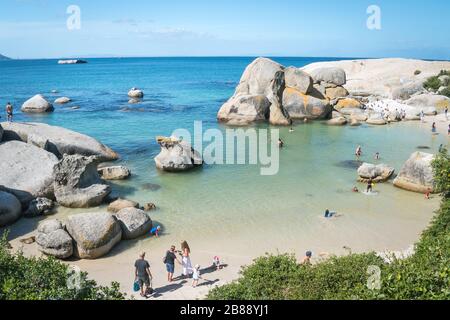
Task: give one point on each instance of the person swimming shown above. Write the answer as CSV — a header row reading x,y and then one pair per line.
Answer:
x,y
280,143
355,189
291,130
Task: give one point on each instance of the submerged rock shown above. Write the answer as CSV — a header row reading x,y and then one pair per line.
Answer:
x,y
37,104
10,208
53,240
26,171
134,222
135,93
114,173
63,100
77,183
60,140
176,155
120,204
378,173
417,173
94,233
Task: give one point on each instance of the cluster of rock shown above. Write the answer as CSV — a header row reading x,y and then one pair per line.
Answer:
x,y
91,235
176,155
415,175
340,91
42,165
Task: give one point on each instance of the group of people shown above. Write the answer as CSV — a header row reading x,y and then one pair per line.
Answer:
x,y
143,275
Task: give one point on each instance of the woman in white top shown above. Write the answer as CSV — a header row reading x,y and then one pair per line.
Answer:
x,y
186,260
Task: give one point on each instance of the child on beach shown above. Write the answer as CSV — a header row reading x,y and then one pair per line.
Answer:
x,y
196,275
427,194
216,262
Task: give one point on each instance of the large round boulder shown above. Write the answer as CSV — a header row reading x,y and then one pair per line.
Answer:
x,y
10,208
377,173
176,155
37,104
38,207
134,222
300,106
58,140
376,119
77,183
53,240
347,103
339,121
114,172
26,171
135,93
429,101
335,92
417,173
298,80
94,233
332,75
244,109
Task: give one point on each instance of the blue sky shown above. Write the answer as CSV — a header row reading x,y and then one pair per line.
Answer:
x,y
332,28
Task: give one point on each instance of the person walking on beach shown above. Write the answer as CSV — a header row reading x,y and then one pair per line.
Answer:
x,y
307,258
433,127
186,259
142,274
169,261
422,116
446,113
196,275
9,112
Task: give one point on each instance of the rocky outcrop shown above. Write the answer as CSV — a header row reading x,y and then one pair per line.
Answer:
x,y
37,104
378,173
347,103
134,222
120,204
26,171
53,240
417,173
94,233
298,80
62,100
59,140
176,155
429,101
114,173
384,77
376,119
10,208
77,182
335,92
39,207
245,109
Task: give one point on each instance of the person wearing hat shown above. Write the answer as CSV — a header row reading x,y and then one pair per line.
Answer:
x,y
196,275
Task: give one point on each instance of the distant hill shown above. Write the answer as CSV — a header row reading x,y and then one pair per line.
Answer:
x,y
2,57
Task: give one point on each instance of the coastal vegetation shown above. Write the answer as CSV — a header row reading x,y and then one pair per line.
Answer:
x,y
423,275
46,278
439,83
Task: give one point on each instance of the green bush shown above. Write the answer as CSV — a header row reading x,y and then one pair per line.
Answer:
x,y
432,83
23,278
446,92
424,275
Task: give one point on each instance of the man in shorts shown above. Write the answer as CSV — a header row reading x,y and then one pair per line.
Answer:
x,y
142,273
169,261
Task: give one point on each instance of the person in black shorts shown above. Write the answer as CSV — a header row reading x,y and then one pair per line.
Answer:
x,y
169,261
9,112
142,273
369,186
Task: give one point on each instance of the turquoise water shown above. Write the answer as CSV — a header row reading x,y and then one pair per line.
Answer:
x,y
253,212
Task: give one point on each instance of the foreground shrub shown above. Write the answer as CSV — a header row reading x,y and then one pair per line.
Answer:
x,y
23,278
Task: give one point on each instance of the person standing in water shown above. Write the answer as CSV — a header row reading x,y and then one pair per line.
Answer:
x,y
280,143
9,112
433,127
358,152
369,186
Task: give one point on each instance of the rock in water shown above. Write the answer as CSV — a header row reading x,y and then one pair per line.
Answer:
x,y
53,240
10,208
378,173
134,222
417,173
149,206
120,204
376,119
77,183
26,171
37,104
60,140
38,207
114,173
332,75
278,115
63,100
94,233
135,93
339,121
176,155
245,109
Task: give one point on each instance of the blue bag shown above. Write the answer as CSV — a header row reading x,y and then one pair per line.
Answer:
x,y
136,286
